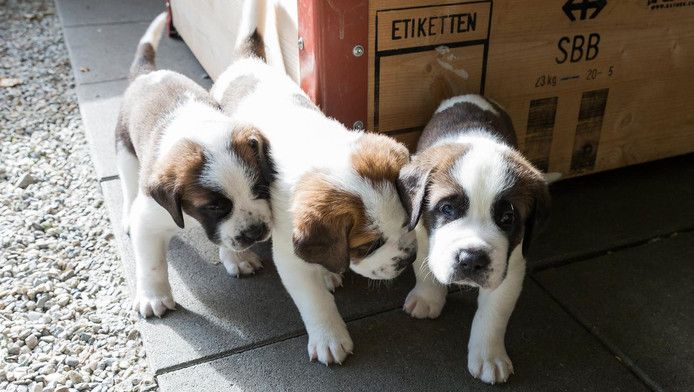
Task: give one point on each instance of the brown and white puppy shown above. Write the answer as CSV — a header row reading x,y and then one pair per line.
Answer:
x,y
179,157
335,200
478,200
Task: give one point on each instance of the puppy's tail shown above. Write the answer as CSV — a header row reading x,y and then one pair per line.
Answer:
x,y
249,41
147,48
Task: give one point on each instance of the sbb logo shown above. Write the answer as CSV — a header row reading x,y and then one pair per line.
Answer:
x,y
572,8
578,48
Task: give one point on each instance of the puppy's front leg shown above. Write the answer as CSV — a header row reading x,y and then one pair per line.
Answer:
x,y
152,228
487,358
328,339
428,296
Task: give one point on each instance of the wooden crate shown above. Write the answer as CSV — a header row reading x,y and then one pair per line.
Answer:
x,y
589,88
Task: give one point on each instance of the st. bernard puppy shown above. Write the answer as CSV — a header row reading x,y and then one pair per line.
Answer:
x,y
478,200
335,201
179,157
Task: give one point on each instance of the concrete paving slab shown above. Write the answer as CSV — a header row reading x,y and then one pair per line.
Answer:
x,y
85,12
102,53
608,210
99,106
640,301
218,313
394,352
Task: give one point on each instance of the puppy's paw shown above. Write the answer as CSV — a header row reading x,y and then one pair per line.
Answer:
x,y
239,263
332,280
329,345
490,364
155,301
425,302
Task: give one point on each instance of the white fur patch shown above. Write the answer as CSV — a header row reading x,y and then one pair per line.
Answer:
x,y
474,99
154,31
487,357
484,173
198,122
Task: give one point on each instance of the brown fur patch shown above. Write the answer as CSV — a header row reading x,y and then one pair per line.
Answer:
x,y
253,46
530,195
442,157
529,187
328,222
123,136
431,166
143,62
247,143
174,180
442,184
379,157
254,149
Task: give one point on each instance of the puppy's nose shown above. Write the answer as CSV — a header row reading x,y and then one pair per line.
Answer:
x,y
471,261
253,233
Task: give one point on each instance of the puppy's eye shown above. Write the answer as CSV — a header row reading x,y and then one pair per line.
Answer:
x,y
451,208
253,143
218,207
504,214
368,249
448,210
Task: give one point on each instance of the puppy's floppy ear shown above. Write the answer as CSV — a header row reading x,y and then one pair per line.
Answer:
x,y
168,197
327,245
254,148
412,188
539,212
324,216
173,174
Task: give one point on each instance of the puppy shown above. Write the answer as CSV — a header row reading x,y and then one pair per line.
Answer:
x,y
478,200
179,157
335,201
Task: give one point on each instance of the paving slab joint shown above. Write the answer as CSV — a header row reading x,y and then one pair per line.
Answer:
x,y
111,23
560,262
108,178
100,81
223,354
260,344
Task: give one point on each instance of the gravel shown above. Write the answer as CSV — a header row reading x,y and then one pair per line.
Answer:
x,y
65,319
